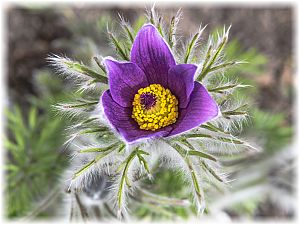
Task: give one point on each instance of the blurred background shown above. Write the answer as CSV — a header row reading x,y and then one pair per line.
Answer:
x,y
263,186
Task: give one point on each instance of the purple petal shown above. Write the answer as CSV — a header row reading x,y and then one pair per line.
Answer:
x,y
151,53
120,118
125,79
201,108
181,82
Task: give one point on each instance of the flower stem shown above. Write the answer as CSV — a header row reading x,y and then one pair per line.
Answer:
x,y
124,177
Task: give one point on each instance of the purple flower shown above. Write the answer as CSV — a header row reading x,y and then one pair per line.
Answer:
x,y
151,96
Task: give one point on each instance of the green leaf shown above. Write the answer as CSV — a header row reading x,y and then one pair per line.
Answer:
x,y
128,183
77,105
223,66
95,130
128,31
202,155
195,152
80,68
217,52
10,146
103,152
195,181
15,119
221,89
211,127
143,162
100,64
20,140
11,167
171,32
32,117
159,27
142,152
197,135
117,44
211,171
190,47
104,149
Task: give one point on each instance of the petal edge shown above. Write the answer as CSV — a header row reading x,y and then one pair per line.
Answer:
x,y
152,54
125,78
181,82
201,108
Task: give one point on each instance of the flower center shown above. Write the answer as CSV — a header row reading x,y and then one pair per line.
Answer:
x,y
148,100
154,107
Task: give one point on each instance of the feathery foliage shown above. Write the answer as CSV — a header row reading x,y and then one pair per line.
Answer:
x,y
31,163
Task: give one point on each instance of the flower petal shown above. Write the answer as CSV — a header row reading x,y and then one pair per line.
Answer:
x,y
151,53
125,79
181,82
201,108
120,118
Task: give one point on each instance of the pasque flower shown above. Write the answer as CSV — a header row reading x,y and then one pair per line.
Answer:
x,y
152,96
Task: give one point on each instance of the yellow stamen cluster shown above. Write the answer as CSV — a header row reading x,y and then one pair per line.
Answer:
x,y
162,112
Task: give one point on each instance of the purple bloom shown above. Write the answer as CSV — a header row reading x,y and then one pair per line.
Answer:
x,y
151,96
